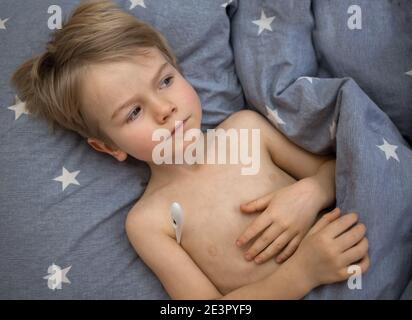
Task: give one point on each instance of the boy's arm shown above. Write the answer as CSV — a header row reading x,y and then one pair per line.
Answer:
x,y
286,213
314,171
325,255
178,273
288,282
183,279
326,252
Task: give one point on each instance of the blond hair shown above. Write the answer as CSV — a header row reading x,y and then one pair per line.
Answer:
x,y
96,32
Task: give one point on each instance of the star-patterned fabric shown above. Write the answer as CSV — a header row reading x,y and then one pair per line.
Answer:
x,y
317,94
62,202
325,86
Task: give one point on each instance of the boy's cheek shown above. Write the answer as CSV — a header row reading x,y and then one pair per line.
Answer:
x,y
140,148
144,151
189,96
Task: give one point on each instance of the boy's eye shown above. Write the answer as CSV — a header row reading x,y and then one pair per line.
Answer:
x,y
135,112
167,81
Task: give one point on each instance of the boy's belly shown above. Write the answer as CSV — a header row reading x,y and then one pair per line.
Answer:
x,y
213,222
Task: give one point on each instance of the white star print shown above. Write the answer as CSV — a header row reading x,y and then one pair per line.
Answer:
x,y
135,3
226,3
274,117
3,23
389,149
67,178
307,78
264,22
332,130
19,108
57,276
409,73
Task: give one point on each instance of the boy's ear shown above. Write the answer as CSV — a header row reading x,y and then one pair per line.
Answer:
x,y
105,148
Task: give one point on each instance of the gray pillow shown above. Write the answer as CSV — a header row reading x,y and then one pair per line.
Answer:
x,y
78,221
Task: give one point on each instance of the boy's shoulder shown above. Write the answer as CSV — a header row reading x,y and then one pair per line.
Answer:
x,y
247,119
148,215
250,119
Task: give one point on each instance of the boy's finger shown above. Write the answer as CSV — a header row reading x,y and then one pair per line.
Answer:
x,y
257,204
275,247
364,264
356,253
259,224
339,226
289,250
351,237
271,233
325,220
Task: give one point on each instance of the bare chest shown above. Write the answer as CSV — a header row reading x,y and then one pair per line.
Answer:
x,y
213,220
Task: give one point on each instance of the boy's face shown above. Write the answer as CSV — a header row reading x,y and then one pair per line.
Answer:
x,y
154,95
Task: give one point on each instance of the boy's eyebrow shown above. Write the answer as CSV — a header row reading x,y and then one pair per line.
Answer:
x,y
129,101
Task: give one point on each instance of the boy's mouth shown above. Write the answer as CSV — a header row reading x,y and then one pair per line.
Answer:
x,y
179,124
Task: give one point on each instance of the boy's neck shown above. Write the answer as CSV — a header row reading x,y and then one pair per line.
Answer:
x,y
166,173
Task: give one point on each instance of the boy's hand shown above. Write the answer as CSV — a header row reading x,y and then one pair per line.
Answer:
x,y
332,245
288,214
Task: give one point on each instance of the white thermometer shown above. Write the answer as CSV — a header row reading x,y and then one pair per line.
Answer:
x,y
177,220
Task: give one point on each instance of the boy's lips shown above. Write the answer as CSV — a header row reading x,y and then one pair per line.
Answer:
x,y
180,123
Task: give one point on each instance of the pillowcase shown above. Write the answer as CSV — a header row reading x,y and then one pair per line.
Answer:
x,y
63,204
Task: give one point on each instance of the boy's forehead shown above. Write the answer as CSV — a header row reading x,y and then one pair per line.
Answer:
x,y
150,58
103,81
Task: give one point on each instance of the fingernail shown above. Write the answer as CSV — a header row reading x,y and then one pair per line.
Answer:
x,y
247,256
238,243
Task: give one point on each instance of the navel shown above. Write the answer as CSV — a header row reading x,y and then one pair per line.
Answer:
x,y
212,250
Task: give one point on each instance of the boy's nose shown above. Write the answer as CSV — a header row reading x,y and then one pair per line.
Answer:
x,y
164,111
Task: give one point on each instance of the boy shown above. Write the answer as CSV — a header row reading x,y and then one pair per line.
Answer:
x,y
115,81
